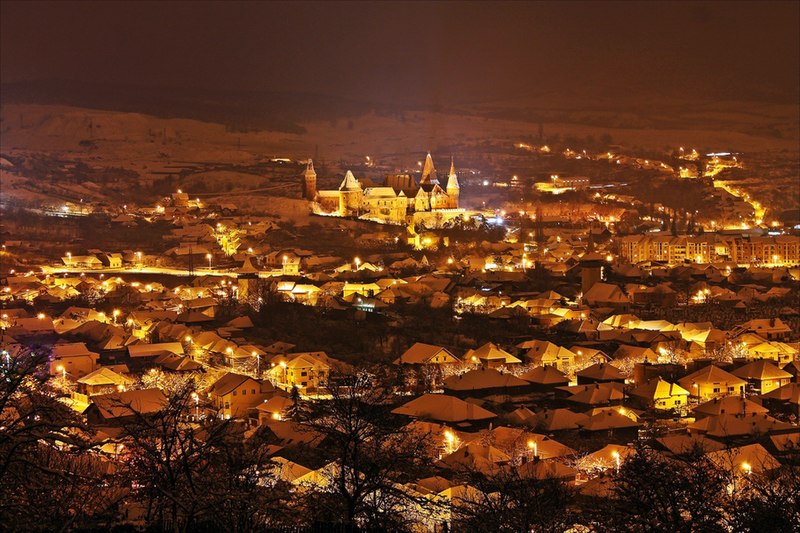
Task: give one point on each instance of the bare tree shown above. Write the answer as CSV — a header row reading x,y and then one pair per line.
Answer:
x,y
189,476
370,453
510,498
45,472
655,493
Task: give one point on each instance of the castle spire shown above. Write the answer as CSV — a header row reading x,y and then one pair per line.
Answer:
x,y
452,179
429,176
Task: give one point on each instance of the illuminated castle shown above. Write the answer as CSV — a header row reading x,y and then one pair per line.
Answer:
x,y
394,202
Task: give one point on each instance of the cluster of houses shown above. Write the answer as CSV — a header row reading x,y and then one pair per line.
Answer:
x,y
597,368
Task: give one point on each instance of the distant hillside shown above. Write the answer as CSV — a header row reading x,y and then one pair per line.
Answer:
x,y
239,111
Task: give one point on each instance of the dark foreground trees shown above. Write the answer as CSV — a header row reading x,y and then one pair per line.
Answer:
x,y
47,480
209,476
369,455
653,492
514,498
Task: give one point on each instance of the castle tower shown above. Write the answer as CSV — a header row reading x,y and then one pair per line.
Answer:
x,y
350,195
453,188
429,176
310,182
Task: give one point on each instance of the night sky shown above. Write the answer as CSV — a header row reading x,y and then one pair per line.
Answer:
x,y
412,52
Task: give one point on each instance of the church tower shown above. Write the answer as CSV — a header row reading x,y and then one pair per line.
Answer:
x,y
453,189
310,182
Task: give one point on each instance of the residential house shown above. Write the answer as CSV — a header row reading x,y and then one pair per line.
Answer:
x,y
661,395
763,376
234,394
73,360
103,381
426,354
119,407
712,382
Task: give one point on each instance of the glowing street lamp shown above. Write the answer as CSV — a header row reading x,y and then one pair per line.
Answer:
x,y
450,442
115,314
747,467
258,363
63,371
534,447
196,399
615,455
283,366
208,256
357,261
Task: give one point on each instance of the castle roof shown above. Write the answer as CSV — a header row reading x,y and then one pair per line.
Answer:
x,y
429,172
349,183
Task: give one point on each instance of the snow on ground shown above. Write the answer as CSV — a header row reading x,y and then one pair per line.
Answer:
x,y
139,141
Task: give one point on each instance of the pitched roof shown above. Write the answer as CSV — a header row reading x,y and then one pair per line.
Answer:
x,y
150,350
788,393
482,378
609,419
491,352
761,370
104,376
709,374
228,382
349,182
559,419
732,425
657,388
128,403
545,375
444,408
742,458
602,372
683,444
596,393
729,404
421,353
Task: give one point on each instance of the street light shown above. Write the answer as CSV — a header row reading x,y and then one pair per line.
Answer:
x,y
115,314
208,256
357,261
196,399
615,455
283,365
63,371
533,445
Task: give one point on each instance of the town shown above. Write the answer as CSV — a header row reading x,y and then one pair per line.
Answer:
x,y
461,317
487,348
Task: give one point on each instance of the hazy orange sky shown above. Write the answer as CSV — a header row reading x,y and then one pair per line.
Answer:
x,y
423,52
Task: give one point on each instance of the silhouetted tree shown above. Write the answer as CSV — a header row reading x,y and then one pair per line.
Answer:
x,y
370,455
